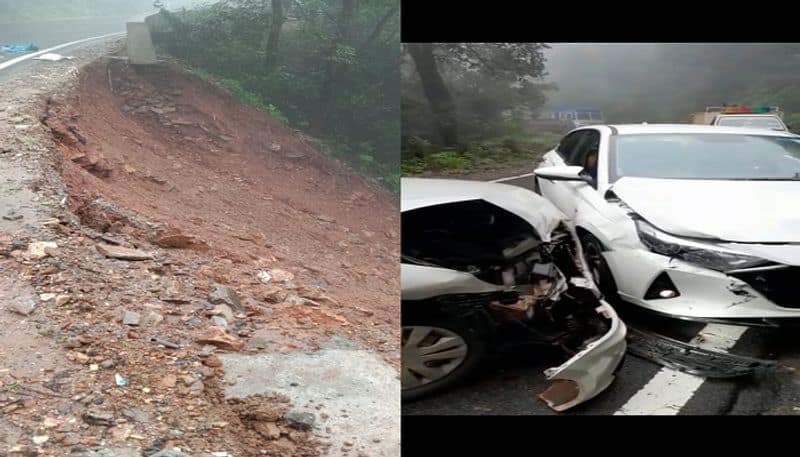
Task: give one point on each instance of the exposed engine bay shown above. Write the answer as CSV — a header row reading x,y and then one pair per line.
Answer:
x,y
543,292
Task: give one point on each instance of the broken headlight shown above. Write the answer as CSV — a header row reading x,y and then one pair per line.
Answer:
x,y
704,255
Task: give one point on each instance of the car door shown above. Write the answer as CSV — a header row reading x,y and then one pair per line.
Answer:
x,y
570,151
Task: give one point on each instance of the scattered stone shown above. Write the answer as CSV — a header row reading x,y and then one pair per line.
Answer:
x,y
131,318
12,215
224,295
188,380
113,452
78,357
40,439
282,275
122,253
299,420
100,417
22,305
151,319
217,336
225,311
106,364
212,361
136,415
264,276
50,422
38,249
268,430
62,299
197,388
325,218
169,381
219,321
170,453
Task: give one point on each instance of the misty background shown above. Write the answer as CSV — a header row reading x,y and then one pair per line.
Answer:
x,y
494,114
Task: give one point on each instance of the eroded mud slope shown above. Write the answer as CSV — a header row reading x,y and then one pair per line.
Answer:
x,y
157,156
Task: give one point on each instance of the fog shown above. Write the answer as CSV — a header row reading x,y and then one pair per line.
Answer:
x,y
664,82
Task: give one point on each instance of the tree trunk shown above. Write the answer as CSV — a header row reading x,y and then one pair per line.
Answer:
x,y
278,18
376,32
439,98
329,80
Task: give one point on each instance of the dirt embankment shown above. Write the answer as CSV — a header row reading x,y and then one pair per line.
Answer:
x,y
250,240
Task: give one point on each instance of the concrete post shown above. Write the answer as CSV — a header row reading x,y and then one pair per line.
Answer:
x,y
140,44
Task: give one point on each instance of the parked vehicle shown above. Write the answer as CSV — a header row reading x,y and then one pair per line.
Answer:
x,y
692,221
485,265
766,117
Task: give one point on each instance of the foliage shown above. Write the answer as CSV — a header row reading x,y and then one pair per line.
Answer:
x,y
362,122
507,150
495,87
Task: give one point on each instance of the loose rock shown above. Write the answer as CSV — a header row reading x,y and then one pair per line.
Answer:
x,y
22,305
217,336
299,420
98,417
131,318
119,252
224,295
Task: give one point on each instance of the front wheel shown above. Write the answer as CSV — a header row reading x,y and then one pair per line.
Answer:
x,y
437,353
601,273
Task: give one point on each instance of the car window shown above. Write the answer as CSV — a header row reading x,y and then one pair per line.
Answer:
x,y
706,156
590,140
751,121
568,144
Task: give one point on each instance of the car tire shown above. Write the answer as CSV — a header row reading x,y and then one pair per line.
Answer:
x,y
469,337
601,273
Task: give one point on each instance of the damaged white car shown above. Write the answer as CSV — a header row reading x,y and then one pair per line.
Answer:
x,y
695,222
485,263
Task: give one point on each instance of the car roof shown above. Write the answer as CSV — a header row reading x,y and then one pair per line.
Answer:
x,y
424,192
637,129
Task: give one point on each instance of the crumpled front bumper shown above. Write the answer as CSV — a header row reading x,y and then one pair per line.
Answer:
x,y
590,371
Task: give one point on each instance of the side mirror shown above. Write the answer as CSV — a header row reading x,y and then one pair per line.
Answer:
x,y
565,173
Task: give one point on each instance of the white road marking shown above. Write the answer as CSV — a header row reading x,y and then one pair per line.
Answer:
x,y
17,60
669,390
510,178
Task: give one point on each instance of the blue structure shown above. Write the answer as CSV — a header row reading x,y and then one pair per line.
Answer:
x,y
576,114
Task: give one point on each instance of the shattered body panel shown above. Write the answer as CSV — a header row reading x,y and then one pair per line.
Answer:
x,y
752,219
532,274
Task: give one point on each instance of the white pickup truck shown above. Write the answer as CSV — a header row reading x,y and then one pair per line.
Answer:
x,y
766,117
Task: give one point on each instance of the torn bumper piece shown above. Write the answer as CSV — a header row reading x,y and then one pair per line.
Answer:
x,y
591,370
691,359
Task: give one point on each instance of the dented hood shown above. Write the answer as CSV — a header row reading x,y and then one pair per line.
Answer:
x,y
537,211
736,211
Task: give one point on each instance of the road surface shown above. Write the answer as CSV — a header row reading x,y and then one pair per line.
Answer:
x,y
46,34
509,384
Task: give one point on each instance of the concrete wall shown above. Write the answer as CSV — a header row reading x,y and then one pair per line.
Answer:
x,y
140,45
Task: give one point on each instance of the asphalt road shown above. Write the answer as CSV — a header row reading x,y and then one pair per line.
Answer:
x,y
46,34
509,384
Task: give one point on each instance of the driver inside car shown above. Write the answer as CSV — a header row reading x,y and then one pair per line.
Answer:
x,y
590,166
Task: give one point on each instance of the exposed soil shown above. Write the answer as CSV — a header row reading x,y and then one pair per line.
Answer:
x,y
240,191
206,191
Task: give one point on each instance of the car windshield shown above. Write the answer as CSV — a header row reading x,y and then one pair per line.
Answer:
x,y
759,122
705,156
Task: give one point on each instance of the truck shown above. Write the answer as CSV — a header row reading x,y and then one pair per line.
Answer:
x,y
766,117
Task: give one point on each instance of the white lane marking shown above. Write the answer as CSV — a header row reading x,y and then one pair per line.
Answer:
x,y
512,177
17,60
669,390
